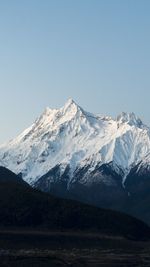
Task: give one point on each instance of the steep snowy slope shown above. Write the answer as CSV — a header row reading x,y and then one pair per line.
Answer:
x,y
74,139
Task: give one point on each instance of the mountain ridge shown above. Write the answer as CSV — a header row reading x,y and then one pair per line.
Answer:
x,y
95,139
91,158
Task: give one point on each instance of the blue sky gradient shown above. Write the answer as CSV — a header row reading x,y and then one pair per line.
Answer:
x,y
95,51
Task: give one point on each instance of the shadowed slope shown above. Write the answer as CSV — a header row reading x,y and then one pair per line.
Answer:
x,y
23,206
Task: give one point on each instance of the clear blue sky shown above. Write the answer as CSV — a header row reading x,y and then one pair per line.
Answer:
x,y
95,51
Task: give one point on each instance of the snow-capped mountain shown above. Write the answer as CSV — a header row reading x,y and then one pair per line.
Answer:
x,y
95,159
73,139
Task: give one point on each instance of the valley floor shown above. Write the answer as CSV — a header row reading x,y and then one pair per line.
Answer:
x,y
42,249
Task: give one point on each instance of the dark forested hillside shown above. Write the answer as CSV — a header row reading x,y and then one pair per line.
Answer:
x,y
23,206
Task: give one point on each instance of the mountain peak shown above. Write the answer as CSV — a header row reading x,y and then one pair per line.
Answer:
x,y
70,104
65,113
70,101
71,136
71,108
129,118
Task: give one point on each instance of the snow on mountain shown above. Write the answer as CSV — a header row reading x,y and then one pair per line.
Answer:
x,y
72,137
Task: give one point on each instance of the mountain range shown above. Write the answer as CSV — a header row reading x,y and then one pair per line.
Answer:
x,y
92,158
